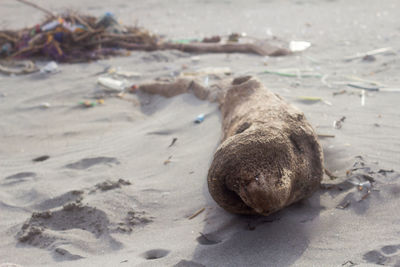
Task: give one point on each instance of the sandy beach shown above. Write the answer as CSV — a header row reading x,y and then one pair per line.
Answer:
x,y
117,190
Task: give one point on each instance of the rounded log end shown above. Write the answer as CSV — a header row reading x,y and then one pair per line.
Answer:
x,y
262,169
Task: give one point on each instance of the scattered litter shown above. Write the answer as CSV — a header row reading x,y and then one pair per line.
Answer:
x,y
90,104
341,92
133,88
167,160
234,37
296,73
111,83
186,41
309,99
369,58
173,141
355,78
206,81
324,81
195,59
363,86
312,100
196,213
361,181
298,46
111,25
370,53
45,105
362,97
199,118
50,67
339,123
41,158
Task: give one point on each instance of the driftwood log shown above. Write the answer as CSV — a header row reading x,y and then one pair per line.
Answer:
x,y
269,157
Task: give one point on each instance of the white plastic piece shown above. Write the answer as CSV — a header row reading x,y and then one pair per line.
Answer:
x,y
298,46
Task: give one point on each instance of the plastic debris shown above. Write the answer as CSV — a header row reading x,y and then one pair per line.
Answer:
x,y
51,25
294,73
6,49
363,86
90,104
298,46
167,161
309,99
45,105
50,67
206,81
133,88
111,83
199,118
339,123
341,92
195,59
109,22
371,53
362,97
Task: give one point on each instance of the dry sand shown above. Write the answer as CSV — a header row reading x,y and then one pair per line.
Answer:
x,y
105,196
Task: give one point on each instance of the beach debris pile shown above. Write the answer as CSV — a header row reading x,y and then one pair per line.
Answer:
x,y
72,37
363,180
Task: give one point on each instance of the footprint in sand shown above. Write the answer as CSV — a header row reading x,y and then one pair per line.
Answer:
x,y
155,254
64,221
186,263
387,255
20,175
89,162
208,239
18,178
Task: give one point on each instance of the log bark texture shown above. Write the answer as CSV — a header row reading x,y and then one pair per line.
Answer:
x,y
269,156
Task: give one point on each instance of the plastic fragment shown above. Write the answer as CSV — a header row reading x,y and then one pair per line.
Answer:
x,y
50,67
199,118
298,46
111,83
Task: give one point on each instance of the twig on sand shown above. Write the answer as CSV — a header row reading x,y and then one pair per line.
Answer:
x,y
196,213
173,141
37,7
370,53
326,135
